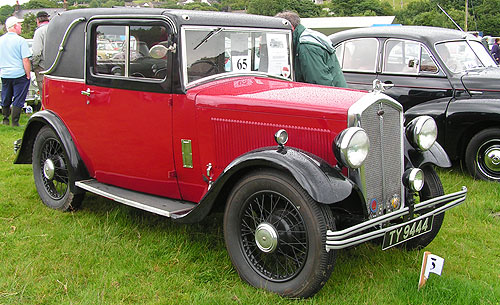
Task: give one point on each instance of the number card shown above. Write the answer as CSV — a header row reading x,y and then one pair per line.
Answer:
x,y
241,63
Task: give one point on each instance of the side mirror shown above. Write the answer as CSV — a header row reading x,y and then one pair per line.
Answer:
x,y
160,51
413,63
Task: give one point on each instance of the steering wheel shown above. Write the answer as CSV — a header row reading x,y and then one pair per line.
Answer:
x,y
213,68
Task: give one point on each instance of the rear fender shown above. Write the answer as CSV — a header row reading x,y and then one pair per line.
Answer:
x,y
48,118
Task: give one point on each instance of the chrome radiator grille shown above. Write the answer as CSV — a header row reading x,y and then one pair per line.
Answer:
x,y
383,168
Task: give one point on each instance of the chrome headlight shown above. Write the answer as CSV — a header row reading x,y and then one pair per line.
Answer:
x,y
413,178
352,146
422,132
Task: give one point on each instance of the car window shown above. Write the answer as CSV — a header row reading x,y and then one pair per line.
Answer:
x,y
358,55
407,57
211,51
132,51
427,64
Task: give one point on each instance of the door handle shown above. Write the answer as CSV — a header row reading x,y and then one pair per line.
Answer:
x,y
86,92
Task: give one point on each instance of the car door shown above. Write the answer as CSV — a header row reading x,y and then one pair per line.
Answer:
x,y
128,133
411,69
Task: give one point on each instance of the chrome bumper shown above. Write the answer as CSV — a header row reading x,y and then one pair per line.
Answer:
x,y
347,237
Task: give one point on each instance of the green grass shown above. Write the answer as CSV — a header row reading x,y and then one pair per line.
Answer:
x,y
108,253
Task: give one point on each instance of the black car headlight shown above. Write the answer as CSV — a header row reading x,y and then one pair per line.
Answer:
x,y
422,132
351,147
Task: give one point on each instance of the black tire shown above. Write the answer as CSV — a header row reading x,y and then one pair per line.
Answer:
x,y
293,261
53,177
482,157
432,188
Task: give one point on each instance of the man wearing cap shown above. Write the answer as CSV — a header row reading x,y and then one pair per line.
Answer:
x,y
15,69
315,60
42,20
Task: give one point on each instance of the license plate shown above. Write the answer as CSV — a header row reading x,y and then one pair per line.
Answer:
x,y
407,231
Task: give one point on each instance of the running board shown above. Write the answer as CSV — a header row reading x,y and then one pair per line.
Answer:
x,y
151,203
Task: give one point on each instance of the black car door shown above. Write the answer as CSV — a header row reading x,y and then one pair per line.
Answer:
x,y
413,72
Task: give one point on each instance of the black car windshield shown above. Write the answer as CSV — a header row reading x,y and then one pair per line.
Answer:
x,y
210,51
463,55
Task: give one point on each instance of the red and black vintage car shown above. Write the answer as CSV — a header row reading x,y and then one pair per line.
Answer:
x,y
183,113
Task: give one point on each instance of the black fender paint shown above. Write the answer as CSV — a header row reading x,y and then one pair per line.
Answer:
x,y
48,118
436,155
324,183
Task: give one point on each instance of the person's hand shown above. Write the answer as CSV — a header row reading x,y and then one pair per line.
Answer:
x,y
28,76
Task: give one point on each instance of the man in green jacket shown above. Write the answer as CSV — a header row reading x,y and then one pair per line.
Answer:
x,y
315,60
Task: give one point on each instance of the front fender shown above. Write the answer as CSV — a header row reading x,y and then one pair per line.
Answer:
x,y
324,183
35,123
436,155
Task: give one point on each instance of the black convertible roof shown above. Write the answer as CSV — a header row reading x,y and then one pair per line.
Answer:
x,y
430,35
71,62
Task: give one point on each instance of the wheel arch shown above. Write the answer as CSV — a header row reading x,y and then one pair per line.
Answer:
x,y
436,155
471,132
324,183
47,118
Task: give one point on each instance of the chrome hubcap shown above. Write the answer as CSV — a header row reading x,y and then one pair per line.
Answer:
x,y
492,158
266,237
488,159
48,169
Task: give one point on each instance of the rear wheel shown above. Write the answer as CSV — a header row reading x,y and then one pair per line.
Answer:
x,y
432,188
482,156
53,177
275,234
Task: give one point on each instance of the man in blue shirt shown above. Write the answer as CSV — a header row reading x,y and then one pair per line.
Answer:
x,y
15,70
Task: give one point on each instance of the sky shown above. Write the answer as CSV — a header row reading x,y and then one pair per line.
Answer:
x,y
11,2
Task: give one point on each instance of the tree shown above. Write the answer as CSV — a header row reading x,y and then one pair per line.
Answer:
x,y
487,17
40,4
199,6
29,26
266,7
342,8
5,12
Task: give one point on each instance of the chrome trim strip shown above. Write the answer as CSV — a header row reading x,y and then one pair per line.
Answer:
x,y
128,48
128,202
232,74
71,79
142,17
341,239
61,46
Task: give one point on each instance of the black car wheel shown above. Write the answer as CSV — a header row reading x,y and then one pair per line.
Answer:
x,y
52,175
275,234
432,188
482,157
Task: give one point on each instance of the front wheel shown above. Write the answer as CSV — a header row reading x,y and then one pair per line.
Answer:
x,y
275,234
432,188
51,172
482,156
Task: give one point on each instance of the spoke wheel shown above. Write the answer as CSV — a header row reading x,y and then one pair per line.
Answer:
x,y
275,234
53,178
55,173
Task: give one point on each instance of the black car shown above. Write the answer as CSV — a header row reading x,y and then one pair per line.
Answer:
x,y
443,73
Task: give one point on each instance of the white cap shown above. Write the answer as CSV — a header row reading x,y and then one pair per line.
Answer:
x,y
11,21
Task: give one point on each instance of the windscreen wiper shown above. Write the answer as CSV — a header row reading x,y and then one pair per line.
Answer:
x,y
209,35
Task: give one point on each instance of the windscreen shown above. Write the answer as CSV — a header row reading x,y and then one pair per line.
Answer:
x,y
210,51
463,55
